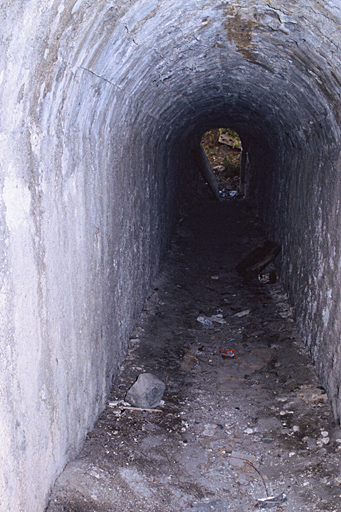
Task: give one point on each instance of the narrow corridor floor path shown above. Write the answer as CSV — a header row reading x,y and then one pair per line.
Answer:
x,y
232,432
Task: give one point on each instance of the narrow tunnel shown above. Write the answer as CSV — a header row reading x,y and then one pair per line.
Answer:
x,y
103,105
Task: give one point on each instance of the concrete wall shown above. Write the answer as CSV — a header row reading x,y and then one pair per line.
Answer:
x,y
100,104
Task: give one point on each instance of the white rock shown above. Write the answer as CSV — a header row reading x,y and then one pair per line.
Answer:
x,y
249,431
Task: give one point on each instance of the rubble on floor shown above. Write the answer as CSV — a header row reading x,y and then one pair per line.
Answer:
x,y
238,433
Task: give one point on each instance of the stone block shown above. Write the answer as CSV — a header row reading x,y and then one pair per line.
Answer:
x,y
146,392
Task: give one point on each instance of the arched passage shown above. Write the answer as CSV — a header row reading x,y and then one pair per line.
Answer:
x,y
100,105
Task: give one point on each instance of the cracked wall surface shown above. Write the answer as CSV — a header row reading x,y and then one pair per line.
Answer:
x,y
101,104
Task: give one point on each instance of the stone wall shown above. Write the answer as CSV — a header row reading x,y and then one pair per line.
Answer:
x,y
101,103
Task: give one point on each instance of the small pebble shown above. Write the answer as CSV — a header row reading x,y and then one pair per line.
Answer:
x,y
242,313
249,431
209,430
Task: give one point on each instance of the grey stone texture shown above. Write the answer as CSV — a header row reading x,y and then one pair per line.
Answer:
x,y
101,104
146,392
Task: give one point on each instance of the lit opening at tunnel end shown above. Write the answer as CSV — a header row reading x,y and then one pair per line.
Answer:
x,y
223,149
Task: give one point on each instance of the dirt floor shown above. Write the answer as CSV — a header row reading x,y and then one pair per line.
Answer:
x,y
231,433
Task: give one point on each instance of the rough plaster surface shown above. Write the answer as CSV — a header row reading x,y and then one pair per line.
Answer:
x,y
100,105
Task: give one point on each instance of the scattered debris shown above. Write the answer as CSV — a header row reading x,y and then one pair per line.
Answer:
x,y
219,168
204,321
221,429
229,193
233,193
268,278
272,501
146,392
208,320
312,395
130,408
249,431
240,314
258,259
219,319
324,439
228,354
